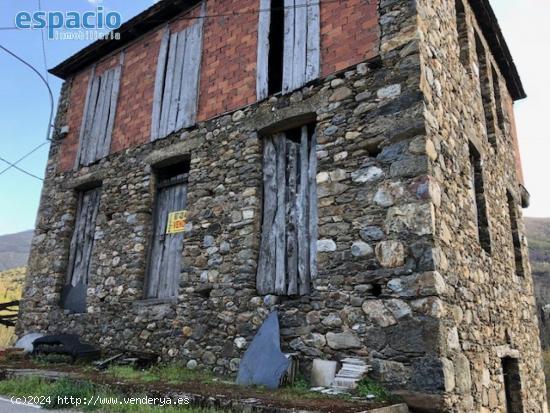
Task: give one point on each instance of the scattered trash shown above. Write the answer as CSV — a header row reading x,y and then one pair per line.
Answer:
x,y
323,373
264,364
68,344
292,373
352,371
26,342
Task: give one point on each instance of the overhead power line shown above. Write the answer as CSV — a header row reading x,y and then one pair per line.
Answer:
x,y
232,14
44,49
14,164
50,121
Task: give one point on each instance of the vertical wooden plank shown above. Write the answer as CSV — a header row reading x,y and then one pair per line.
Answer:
x,y
96,122
85,117
159,84
292,150
157,245
262,67
80,256
94,196
302,207
108,78
113,108
300,44
313,58
177,81
313,212
75,242
166,260
86,138
191,73
265,278
168,85
280,218
288,53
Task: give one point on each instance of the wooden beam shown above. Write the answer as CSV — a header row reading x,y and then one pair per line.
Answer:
x,y
292,206
159,84
313,211
85,115
265,278
303,239
313,63
280,218
288,53
262,66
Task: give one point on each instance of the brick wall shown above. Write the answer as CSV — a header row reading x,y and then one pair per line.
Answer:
x,y
349,35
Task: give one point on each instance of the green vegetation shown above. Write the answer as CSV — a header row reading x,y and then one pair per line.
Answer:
x,y
368,387
11,286
54,395
167,373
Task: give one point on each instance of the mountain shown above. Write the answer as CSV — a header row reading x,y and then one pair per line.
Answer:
x,y
14,250
538,234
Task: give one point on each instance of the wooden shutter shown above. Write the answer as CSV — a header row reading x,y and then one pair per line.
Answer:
x,y
166,250
99,116
82,242
302,42
288,247
176,93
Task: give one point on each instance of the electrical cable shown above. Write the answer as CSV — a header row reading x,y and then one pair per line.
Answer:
x,y
48,133
13,165
19,169
236,13
44,49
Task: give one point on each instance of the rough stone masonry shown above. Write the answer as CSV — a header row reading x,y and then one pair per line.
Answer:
x,y
421,255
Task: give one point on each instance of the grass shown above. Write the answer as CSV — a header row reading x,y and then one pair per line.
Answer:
x,y
368,387
167,373
56,395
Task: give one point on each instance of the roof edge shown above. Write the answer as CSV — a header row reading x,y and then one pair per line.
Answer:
x,y
151,18
488,22
165,10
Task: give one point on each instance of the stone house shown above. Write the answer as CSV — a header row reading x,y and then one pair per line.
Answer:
x,y
352,164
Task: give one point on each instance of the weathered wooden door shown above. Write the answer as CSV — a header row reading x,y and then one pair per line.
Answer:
x,y
166,250
288,250
80,255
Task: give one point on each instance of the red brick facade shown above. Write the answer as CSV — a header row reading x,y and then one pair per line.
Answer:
x,y
349,35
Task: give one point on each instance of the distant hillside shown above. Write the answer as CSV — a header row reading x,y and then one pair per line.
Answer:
x,y
538,234
11,286
14,250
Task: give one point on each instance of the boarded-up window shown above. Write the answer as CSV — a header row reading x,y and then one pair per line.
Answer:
x,y
462,29
485,89
177,81
516,236
288,251
478,196
512,385
288,45
80,255
99,117
169,222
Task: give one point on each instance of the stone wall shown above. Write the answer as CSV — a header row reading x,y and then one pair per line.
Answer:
x,y
401,279
489,311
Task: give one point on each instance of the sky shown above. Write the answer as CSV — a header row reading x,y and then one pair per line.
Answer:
x,y
24,107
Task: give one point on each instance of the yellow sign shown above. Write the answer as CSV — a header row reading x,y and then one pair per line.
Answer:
x,y
176,222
